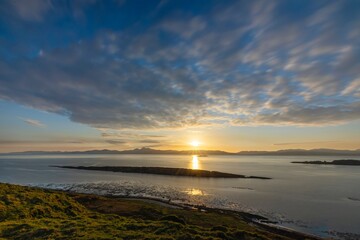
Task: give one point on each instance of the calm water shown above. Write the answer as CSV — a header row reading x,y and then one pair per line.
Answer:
x,y
311,198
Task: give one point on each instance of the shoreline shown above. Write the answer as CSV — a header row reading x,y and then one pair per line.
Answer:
x,y
88,212
250,218
258,220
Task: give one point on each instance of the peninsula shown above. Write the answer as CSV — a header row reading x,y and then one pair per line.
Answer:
x,y
184,172
345,162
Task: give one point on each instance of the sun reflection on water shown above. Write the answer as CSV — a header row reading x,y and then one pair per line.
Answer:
x,y
195,192
195,162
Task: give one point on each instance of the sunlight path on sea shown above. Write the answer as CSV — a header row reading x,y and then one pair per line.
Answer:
x,y
195,162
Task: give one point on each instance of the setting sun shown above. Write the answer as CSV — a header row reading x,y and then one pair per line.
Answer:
x,y
195,143
227,119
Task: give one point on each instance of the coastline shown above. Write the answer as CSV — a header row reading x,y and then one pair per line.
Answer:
x,y
108,204
250,218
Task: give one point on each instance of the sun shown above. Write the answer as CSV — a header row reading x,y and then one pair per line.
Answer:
x,y
195,143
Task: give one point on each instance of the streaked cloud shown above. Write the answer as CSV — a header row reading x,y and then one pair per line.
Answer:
x,y
303,143
33,122
9,142
115,141
31,11
236,63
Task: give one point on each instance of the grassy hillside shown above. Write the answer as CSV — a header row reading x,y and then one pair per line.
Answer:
x,y
31,213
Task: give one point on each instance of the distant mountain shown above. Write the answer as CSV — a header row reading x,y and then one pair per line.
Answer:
x,y
145,150
302,152
104,151
185,152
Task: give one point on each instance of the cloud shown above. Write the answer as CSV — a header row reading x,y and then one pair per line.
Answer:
x,y
55,142
149,141
112,134
352,88
303,143
37,11
33,10
243,63
121,137
315,116
116,142
32,122
186,29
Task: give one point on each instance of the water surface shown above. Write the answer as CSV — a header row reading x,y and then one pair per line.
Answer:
x,y
311,198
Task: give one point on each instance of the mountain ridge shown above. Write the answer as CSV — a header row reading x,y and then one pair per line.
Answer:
x,y
146,150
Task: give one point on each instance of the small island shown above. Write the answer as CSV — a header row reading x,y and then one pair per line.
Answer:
x,y
184,172
345,162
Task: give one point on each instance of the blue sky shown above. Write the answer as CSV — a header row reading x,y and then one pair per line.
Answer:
x,y
121,74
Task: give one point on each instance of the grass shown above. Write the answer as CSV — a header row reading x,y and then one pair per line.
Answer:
x,y
32,213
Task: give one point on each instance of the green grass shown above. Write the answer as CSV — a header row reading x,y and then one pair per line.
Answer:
x,y
32,213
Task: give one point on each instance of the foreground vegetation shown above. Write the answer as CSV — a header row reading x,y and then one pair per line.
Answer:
x,y
32,213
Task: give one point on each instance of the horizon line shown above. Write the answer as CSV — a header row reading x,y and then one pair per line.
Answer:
x,y
329,150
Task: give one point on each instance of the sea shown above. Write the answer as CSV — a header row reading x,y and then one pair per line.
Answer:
x,y
323,200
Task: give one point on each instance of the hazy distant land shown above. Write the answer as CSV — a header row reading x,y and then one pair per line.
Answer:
x,y
346,162
145,150
184,172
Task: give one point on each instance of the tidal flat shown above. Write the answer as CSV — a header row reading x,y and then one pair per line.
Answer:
x,y
35,213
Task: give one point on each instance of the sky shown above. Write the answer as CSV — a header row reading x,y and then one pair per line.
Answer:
x,y
233,75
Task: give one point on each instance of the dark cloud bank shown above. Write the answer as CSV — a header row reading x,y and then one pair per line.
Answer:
x,y
240,63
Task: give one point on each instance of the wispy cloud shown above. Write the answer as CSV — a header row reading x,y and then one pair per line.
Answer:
x,y
244,62
54,142
303,143
32,11
116,141
33,122
120,137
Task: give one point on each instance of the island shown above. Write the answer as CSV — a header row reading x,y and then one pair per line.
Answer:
x,y
184,172
345,162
